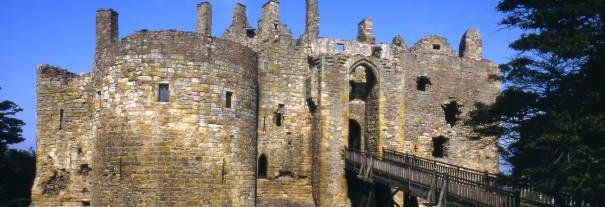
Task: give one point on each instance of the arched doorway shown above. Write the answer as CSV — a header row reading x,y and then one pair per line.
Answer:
x,y
364,133
262,166
354,135
364,93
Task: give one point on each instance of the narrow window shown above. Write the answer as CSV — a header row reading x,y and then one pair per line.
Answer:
x,y
436,46
279,115
422,83
228,98
452,112
262,166
85,203
99,100
376,51
340,48
61,119
163,92
439,146
264,123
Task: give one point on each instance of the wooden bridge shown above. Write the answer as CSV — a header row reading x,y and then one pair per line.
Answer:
x,y
442,184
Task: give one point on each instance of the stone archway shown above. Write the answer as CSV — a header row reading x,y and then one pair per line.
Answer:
x,y
364,102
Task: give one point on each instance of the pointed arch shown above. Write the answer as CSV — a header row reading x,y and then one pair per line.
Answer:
x,y
369,65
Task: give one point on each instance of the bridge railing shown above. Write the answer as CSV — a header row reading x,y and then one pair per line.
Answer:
x,y
464,181
416,175
528,194
442,167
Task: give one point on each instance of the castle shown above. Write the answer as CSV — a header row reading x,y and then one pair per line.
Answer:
x,y
254,117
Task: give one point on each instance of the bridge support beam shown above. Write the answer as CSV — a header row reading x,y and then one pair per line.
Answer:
x,y
443,195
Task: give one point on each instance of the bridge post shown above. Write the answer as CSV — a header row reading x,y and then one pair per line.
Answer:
x,y
517,197
430,198
443,195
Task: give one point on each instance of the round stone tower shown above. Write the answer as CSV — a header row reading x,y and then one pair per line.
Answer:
x,y
175,120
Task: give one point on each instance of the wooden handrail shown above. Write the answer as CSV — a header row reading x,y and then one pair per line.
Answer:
x,y
461,176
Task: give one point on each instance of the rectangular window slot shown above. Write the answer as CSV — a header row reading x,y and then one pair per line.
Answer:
x,y
61,119
436,46
228,99
340,48
163,92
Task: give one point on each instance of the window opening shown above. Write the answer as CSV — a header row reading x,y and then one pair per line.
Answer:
x,y
340,48
61,119
439,146
262,166
228,99
163,92
422,83
279,116
452,112
436,46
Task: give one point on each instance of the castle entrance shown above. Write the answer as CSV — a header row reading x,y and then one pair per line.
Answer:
x,y
363,134
363,107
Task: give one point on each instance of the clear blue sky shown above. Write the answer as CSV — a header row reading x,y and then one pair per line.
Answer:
x,y
62,32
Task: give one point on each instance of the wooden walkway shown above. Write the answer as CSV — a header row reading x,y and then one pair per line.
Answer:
x,y
443,184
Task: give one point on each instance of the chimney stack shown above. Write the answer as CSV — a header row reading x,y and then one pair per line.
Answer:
x,y
204,19
365,32
312,24
107,29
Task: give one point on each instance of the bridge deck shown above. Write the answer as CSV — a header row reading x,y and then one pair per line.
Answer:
x,y
428,178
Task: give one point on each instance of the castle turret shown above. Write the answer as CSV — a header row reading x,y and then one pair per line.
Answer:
x,y
204,19
312,24
471,45
107,29
365,32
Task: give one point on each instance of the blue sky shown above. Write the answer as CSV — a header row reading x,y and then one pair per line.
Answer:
x,y
62,32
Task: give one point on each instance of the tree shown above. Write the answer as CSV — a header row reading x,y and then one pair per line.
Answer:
x,y
17,177
10,128
17,167
551,113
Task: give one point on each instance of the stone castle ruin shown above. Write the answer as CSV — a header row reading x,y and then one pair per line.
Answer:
x,y
253,117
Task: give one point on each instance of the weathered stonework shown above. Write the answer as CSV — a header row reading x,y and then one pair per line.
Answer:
x,y
255,117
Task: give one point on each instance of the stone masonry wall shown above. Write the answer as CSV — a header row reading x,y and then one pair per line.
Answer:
x,y
192,150
452,78
64,138
286,142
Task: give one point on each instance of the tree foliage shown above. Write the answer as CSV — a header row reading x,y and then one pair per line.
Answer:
x,y
16,177
17,167
551,113
10,127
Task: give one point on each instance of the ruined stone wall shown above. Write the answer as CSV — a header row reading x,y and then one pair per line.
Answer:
x,y
382,128
192,150
284,127
452,78
64,138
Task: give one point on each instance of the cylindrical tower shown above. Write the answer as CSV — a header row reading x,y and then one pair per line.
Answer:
x,y
176,122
